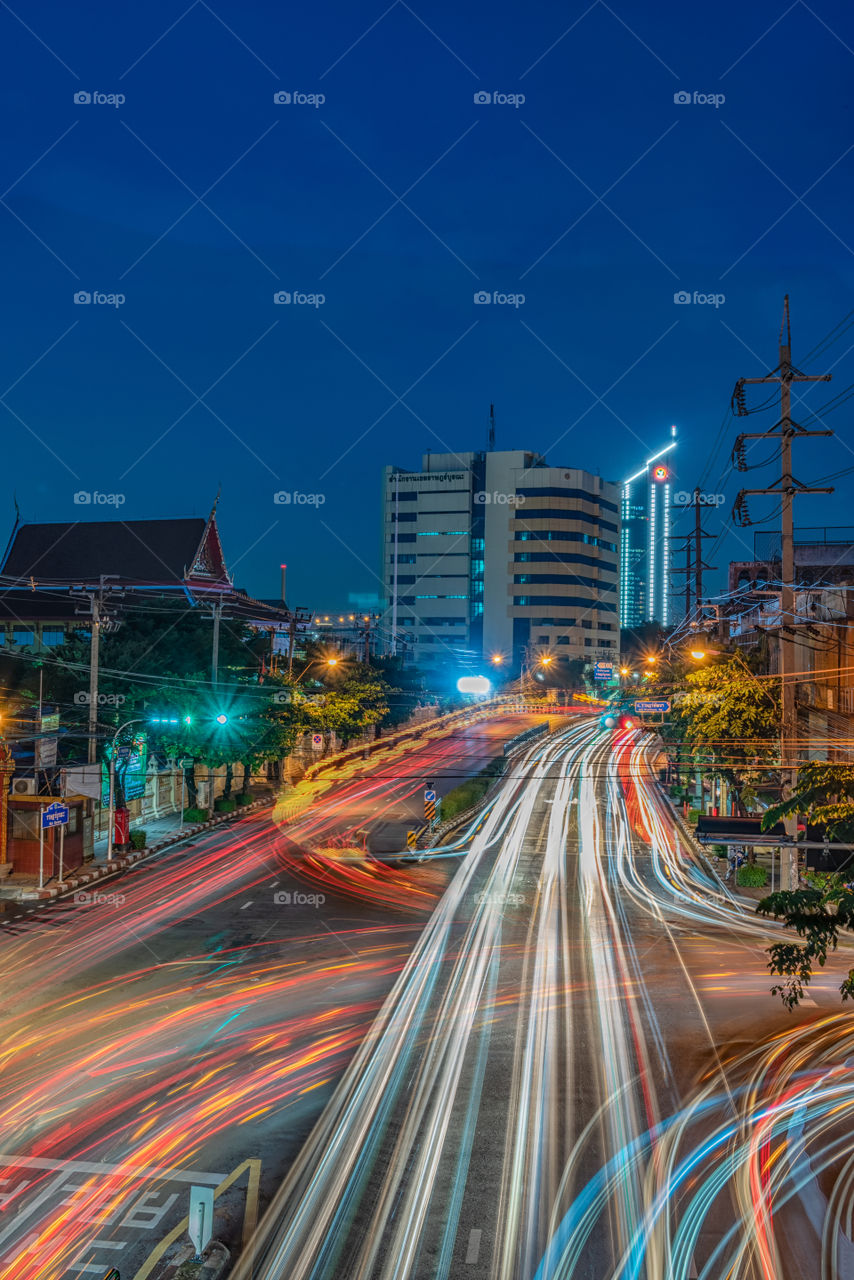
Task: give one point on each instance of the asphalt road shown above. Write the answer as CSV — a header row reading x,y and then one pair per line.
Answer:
x,y
553,1056
186,1022
580,1071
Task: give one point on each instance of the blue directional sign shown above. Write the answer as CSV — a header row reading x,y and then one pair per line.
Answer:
x,y
603,671
640,707
55,815
428,796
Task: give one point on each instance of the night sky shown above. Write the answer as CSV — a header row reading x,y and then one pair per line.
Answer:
x,y
397,199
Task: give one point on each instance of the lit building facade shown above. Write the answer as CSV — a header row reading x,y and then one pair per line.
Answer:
x,y
498,552
645,536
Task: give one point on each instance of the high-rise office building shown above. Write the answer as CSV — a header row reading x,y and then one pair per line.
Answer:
x,y
645,513
497,553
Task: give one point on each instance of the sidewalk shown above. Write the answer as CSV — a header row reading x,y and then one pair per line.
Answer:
x,y
161,833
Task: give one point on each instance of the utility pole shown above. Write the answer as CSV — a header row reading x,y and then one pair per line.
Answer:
x,y
786,488
98,621
217,616
696,565
299,615
686,570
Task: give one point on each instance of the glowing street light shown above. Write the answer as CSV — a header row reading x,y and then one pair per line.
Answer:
x,y
497,659
222,718
699,654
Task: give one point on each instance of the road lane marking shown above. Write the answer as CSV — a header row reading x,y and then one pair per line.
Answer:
x,y
246,904
91,1166
176,1232
474,1246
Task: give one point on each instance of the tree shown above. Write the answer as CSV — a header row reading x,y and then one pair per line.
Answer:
x,y
350,704
816,914
825,795
734,719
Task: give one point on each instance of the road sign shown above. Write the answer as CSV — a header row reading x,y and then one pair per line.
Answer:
x,y
603,671
201,1217
429,795
317,741
55,815
430,805
186,763
412,839
640,707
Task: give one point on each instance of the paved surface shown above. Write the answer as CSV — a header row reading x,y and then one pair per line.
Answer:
x,y
187,1022
580,1072
553,1056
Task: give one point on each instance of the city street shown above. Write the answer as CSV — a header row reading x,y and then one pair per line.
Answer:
x,y
555,1055
185,1022
580,1071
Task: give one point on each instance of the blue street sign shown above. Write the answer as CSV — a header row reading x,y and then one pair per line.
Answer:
x,y
428,796
603,671
55,815
640,707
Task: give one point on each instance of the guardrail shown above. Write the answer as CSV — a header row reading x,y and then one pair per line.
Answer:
x,y
522,738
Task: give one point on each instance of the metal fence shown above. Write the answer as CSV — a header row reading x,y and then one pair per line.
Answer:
x,y
767,543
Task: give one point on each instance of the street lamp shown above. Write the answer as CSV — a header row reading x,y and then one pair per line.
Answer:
x,y
330,662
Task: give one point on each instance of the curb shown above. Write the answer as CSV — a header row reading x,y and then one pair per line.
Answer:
x,y
90,874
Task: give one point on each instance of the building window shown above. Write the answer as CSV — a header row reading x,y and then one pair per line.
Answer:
x,y
547,513
52,636
581,494
567,602
401,517
22,635
588,643
25,824
401,537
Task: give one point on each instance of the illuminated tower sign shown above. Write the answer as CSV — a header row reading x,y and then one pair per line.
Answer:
x,y
645,542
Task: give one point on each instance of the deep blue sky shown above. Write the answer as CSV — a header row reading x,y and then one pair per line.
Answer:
x,y
499,198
